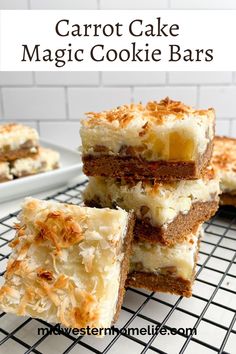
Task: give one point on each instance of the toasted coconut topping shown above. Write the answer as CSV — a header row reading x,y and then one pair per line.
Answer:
x,y
60,229
168,106
15,128
45,274
167,130
87,311
65,265
153,110
13,267
224,154
4,290
7,128
20,229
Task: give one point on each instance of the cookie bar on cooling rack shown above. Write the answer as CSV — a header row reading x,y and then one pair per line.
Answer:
x,y
69,264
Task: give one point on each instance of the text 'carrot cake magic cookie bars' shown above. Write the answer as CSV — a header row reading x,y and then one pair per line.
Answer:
x,y
69,264
157,267
224,160
166,140
165,211
17,141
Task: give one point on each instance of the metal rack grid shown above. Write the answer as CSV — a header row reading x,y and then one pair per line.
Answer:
x,y
211,309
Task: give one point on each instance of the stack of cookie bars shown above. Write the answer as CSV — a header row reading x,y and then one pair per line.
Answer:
x,y
20,153
155,159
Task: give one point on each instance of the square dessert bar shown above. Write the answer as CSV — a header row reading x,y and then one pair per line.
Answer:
x,y
44,160
69,264
17,141
5,174
167,269
166,140
165,212
224,160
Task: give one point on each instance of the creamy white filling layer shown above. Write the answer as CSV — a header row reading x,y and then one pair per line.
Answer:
x,y
161,205
156,258
182,139
227,181
45,160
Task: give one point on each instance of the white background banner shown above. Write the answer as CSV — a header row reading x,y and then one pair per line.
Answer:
x,y
149,40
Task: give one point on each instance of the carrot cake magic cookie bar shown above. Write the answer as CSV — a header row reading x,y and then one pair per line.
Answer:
x,y
224,160
44,160
168,269
166,140
5,174
69,264
17,141
166,211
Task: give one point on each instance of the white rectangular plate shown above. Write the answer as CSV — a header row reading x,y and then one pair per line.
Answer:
x,y
71,167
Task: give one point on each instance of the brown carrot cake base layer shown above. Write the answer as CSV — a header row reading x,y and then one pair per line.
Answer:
x,y
135,167
125,265
178,229
228,199
158,282
18,154
166,282
4,179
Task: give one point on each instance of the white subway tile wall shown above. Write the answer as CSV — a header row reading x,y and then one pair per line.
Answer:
x,y
134,4
54,102
1,108
15,78
186,94
33,124
133,78
86,99
66,132
14,4
223,127
34,103
233,128
63,4
86,78
196,77
203,4
117,4
222,98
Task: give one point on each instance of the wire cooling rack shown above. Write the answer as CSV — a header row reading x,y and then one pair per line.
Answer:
x,y
211,309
